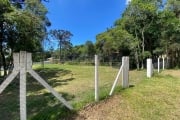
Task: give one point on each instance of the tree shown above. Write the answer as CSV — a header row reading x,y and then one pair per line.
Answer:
x,y
22,28
113,43
170,32
146,29
104,45
140,17
174,5
89,49
67,50
63,36
5,8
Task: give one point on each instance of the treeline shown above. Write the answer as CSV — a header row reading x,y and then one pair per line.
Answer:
x,y
68,52
23,27
147,28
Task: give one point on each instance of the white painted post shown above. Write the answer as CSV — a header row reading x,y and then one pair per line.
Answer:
x,y
158,64
14,73
96,79
23,115
115,82
149,68
125,72
163,63
29,61
23,64
1,71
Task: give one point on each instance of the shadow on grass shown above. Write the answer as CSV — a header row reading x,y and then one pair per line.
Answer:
x,y
40,106
52,72
131,86
120,89
54,77
9,102
47,107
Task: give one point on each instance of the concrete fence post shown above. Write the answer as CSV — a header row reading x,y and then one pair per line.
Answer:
x,y
163,63
158,64
96,79
125,72
124,69
22,65
149,68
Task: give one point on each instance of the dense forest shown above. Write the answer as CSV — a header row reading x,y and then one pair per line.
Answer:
x,y
147,28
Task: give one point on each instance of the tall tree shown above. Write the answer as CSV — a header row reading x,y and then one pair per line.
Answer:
x,y
140,17
5,8
174,5
63,36
113,42
170,31
22,28
67,50
89,49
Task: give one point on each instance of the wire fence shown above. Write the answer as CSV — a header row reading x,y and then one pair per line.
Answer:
x,y
73,79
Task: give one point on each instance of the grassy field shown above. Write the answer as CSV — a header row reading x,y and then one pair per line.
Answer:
x,y
152,99
157,98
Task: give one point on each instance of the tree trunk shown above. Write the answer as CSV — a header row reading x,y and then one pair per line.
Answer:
x,y
10,64
110,59
1,50
143,46
137,60
42,59
60,50
3,59
136,52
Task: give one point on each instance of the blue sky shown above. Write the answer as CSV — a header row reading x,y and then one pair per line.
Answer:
x,y
84,18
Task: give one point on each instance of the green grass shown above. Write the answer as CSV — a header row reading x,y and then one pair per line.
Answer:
x,y
156,98
152,99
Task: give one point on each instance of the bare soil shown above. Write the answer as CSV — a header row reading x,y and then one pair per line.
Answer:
x,y
113,108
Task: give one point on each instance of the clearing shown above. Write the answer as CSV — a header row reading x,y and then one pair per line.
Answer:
x,y
155,98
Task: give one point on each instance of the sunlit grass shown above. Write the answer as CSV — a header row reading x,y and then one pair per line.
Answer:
x,y
149,98
156,98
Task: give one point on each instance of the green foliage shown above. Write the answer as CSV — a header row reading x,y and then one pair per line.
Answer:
x,y
147,54
89,49
22,27
25,28
174,6
63,37
112,42
147,29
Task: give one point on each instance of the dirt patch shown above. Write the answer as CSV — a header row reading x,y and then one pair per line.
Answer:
x,y
113,108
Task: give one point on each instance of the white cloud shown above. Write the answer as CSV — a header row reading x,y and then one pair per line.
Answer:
x,y
128,1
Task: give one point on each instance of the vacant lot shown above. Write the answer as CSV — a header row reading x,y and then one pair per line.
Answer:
x,y
150,99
